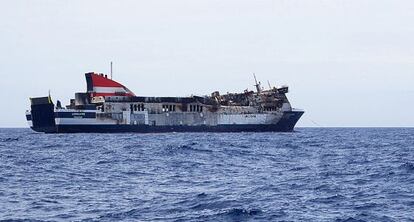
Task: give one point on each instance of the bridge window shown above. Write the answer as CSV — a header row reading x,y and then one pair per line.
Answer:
x,y
196,108
168,108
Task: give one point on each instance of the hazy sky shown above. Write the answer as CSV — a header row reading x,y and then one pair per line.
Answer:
x,y
347,62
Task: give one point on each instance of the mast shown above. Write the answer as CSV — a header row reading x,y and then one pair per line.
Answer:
x,y
111,69
257,84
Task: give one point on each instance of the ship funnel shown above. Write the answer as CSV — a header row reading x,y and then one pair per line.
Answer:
x,y
98,85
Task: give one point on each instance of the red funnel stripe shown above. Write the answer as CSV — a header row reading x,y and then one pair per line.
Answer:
x,y
98,80
99,85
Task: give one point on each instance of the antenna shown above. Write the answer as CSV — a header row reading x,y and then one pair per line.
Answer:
x,y
111,69
270,87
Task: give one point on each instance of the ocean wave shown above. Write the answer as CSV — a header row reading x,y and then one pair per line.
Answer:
x,y
232,214
329,199
23,220
407,166
122,215
190,147
9,139
349,219
241,212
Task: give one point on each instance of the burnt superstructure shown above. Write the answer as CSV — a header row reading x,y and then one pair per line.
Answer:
x,y
108,107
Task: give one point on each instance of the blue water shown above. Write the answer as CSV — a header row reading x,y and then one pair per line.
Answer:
x,y
310,175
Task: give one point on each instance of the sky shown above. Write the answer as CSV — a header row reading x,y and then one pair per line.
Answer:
x,y
348,63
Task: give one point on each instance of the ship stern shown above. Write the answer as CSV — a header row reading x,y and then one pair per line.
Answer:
x,y
41,117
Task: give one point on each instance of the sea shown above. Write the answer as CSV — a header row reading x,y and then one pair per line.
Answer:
x,y
312,174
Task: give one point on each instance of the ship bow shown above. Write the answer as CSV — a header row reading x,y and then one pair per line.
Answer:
x,y
289,120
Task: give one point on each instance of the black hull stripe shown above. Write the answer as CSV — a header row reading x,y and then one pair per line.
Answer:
x,y
164,129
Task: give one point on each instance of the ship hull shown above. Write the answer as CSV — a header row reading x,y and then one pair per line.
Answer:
x,y
286,124
108,106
